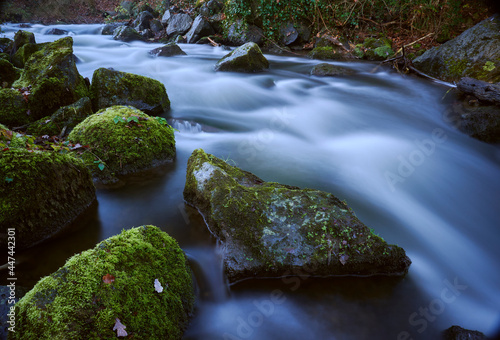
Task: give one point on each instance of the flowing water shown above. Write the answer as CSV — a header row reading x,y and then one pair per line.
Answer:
x,y
378,140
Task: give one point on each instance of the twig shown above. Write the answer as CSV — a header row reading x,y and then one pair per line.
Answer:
x,y
416,41
213,43
376,23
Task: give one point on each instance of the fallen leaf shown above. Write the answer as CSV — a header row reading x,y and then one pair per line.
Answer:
x,y
343,259
108,278
158,286
119,328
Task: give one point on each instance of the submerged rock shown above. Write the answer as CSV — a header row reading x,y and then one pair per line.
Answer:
x,y
63,120
459,333
329,70
246,58
54,79
273,230
113,281
475,53
110,87
126,34
123,140
42,192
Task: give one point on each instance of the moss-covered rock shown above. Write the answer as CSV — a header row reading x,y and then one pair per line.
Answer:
x,y
14,109
42,192
63,120
114,280
6,45
270,230
22,55
8,73
11,139
111,87
123,140
20,38
475,53
375,49
329,70
328,53
169,50
246,58
54,79
240,32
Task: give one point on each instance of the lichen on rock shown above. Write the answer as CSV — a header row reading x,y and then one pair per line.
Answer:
x,y
42,192
246,58
272,230
124,140
113,280
110,87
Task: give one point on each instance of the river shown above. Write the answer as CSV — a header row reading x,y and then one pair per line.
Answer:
x,y
377,139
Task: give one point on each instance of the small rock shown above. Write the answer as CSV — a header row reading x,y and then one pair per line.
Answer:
x,y
329,70
246,58
168,50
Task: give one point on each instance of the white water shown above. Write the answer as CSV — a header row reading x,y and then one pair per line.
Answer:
x,y
355,137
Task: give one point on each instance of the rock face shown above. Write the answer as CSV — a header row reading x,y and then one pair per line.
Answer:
x,y
179,24
478,121
168,50
272,230
329,70
246,58
63,120
54,79
111,87
113,281
42,192
200,28
123,140
475,53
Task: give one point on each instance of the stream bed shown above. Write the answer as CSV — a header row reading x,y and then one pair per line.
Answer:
x,y
377,139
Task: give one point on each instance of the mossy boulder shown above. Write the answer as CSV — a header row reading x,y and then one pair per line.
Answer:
x,y
272,230
328,53
42,192
20,38
110,87
11,139
475,53
123,140
22,55
240,33
246,58
114,280
63,120
14,110
329,70
6,45
376,49
54,79
8,73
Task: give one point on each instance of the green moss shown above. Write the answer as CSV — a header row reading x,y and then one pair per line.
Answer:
x,y
124,147
8,73
111,87
281,227
10,139
41,193
14,109
326,53
66,118
75,303
24,53
54,78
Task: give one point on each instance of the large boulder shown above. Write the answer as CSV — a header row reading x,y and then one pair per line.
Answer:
x,y
169,50
271,230
123,140
21,38
63,120
137,283
246,58
110,87
54,79
179,24
126,34
142,21
240,32
475,53
14,109
108,29
22,55
200,28
42,192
